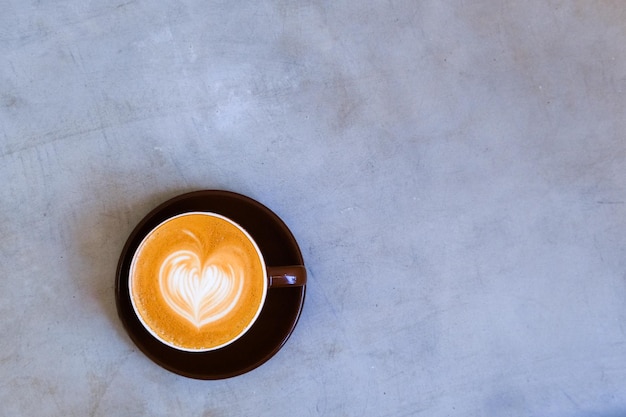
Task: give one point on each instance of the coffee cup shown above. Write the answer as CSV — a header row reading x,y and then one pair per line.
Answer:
x,y
198,281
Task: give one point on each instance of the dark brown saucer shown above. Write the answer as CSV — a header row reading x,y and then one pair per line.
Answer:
x,y
277,319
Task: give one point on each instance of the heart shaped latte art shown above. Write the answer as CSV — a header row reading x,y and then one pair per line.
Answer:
x,y
201,291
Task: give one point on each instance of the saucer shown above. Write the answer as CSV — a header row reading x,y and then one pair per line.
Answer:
x,y
277,319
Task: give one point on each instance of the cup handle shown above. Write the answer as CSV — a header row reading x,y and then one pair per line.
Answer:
x,y
286,276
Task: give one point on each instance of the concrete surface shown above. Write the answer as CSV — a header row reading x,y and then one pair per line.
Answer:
x,y
454,172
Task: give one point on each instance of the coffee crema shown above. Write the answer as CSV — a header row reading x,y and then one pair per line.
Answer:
x,y
197,281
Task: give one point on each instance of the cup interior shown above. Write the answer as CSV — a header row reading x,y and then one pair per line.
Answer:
x,y
190,289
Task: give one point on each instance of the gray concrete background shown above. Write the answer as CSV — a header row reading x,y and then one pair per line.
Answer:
x,y
454,172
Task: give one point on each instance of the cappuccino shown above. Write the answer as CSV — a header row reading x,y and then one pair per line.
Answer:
x,y
198,281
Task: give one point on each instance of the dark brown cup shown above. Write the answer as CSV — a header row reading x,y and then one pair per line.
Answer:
x,y
182,311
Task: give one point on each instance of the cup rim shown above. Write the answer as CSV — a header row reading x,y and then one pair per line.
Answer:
x,y
261,303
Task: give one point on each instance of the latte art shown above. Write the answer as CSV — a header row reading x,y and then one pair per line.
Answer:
x,y
197,282
201,292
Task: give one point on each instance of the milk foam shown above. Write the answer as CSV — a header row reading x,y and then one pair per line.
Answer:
x,y
201,290
197,282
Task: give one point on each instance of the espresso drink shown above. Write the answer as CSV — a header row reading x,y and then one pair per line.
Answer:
x,y
197,281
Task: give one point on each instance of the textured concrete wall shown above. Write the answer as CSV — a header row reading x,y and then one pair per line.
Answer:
x,y
454,172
